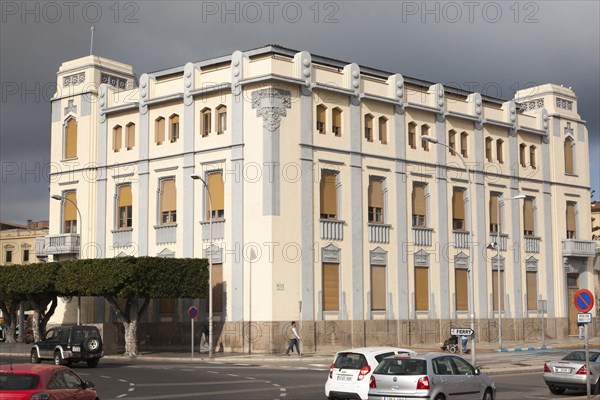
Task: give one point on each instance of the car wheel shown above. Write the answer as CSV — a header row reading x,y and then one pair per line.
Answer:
x,y
58,360
34,357
440,397
93,363
92,345
596,388
488,395
556,390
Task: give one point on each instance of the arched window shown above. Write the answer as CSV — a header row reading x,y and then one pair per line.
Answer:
x,y
205,117
488,149
452,141
568,150
532,160
424,132
129,136
321,118
412,135
336,121
368,126
117,138
221,119
383,130
500,151
173,128
522,157
464,144
70,138
159,130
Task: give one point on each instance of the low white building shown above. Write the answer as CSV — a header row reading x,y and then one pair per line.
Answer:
x,y
327,205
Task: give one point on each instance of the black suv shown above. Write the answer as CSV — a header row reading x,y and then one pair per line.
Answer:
x,y
69,343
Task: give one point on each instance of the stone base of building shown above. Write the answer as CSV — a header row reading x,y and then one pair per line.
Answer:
x,y
323,336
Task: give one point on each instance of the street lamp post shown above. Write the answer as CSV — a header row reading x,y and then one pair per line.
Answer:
x,y
63,198
500,308
471,293
210,288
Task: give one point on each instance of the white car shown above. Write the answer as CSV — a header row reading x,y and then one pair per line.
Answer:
x,y
351,371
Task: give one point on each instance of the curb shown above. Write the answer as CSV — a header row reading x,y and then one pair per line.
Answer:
x,y
523,349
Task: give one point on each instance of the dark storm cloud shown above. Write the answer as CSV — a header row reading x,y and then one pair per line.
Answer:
x,y
491,47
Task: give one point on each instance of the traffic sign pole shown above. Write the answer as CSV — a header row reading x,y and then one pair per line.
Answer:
x,y
193,320
193,313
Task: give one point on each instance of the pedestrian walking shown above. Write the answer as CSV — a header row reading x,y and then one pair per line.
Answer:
x,y
581,327
464,339
294,339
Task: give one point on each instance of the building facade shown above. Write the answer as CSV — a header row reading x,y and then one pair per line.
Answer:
x,y
20,243
326,205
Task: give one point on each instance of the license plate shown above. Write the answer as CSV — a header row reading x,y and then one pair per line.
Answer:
x,y
345,378
562,370
77,348
394,398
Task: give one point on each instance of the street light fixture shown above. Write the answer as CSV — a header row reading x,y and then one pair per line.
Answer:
x,y
210,288
497,246
471,293
65,198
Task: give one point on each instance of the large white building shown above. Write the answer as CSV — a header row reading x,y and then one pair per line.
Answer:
x,y
327,206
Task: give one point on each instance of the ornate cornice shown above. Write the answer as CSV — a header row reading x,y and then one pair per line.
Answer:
x,y
271,104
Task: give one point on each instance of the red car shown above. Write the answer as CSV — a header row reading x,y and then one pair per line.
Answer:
x,y
43,382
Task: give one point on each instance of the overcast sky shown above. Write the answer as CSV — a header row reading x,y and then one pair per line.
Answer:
x,y
491,47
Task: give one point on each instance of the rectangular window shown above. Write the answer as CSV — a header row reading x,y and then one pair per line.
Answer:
x,y
452,141
378,288
412,135
458,210
528,218
499,151
117,138
328,195
421,288
462,291
168,201
495,290
522,157
8,256
331,287
159,131
383,130
218,287
124,207
217,195
419,206
532,161
26,255
70,212
494,204
571,221
130,136
375,199
568,151
425,132
369,127
532,296
488,149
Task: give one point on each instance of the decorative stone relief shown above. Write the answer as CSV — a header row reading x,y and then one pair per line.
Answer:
x,y
461,260
378,256
568,130
74,80
510,109
396,91
188,83
70,107
215,252
271,104
331,254
102,94
237,71
144,93
531,264
532,105
113,81
422,259
564,104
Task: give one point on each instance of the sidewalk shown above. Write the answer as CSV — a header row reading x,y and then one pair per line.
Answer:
x,y
485,351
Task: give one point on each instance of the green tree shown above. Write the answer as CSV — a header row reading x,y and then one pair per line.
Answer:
x,y
129,283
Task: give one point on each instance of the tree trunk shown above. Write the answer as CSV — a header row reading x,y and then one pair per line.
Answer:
x,y
129,316
131,346
10,319
35,325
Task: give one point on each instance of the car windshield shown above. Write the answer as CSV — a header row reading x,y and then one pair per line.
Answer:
x,y
580,356
18,381
402,366
350,361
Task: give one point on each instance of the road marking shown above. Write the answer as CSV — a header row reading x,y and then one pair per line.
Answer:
x,y
122,380
249,377
203,394
104,376
188,370
232,375
212,372
194,383
318,365
121,396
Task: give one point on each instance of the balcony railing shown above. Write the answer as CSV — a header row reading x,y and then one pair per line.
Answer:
x,y
40,247
166,233
332,229
379,233
461,239
122,237
422,236
578,248
532,244
218,230
64,243
502,240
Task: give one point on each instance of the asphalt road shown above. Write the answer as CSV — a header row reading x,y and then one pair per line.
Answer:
x,y
152,380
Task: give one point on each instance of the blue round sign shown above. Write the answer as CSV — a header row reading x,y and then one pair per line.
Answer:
x,y
584,300
193,312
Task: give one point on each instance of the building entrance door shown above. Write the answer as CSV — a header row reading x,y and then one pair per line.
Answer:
x,y
572,288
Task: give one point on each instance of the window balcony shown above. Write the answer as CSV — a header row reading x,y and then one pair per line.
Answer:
x,y
461,239
40,248
502,240
166,233
332,229
532,244
578,248
218,230
379,233
64,243
422,236
122,237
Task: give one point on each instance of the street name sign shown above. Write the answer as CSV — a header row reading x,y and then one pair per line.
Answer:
x,y
461,331
584,318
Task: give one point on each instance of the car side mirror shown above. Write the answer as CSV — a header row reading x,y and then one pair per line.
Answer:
x,y
89,385
477,371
